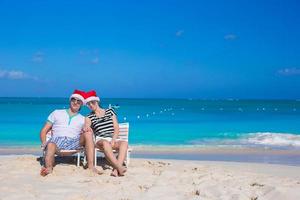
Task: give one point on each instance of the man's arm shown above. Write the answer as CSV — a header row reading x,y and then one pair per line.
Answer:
x,y
47,127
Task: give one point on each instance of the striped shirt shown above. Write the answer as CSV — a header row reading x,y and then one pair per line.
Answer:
x,y
103,126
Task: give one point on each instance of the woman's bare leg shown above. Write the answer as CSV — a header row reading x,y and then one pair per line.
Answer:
x,y
87,140
108,152
122,146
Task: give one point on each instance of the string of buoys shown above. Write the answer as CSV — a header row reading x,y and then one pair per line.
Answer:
x,y
169,109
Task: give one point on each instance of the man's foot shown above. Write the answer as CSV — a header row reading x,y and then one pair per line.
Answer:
x,y
45,171
114,173
95,171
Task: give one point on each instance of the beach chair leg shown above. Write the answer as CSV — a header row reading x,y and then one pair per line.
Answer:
x,y
95,158
127,158
84,159
78,159
43,158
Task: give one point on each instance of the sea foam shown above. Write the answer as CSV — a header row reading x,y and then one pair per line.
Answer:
x,y
274,139
265,139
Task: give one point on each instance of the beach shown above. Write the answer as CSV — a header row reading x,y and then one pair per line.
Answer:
x,y
182,149
149,179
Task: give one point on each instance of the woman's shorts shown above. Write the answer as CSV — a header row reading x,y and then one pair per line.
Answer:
x,y
109,139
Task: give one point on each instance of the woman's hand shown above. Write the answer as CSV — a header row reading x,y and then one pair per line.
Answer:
x,y
113,142
86,129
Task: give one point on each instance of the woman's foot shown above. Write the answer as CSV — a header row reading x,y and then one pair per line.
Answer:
x,y
121,171
114,173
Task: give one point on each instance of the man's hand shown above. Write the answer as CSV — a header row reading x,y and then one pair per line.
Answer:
x,y
43,145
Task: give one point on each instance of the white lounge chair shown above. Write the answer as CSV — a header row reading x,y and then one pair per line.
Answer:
x,y
75,151
123,136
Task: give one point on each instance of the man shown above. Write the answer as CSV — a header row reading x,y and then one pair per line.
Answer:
x,y
66,126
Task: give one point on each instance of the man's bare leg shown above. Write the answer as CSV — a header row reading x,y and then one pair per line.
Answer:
x,y
49,159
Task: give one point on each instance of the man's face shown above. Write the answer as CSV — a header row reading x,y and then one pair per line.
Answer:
x,y
75,104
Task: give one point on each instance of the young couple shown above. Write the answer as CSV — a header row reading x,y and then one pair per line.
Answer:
x,y
71,130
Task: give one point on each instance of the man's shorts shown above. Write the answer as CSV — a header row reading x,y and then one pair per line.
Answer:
x,y
65,143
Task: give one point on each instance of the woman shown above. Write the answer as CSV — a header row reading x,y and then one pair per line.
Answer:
x,y
106,129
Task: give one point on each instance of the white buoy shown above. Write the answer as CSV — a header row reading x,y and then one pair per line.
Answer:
x,y
125,118
138,117
264,109
153,113
147,115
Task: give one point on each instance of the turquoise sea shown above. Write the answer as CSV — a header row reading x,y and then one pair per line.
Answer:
x,y
177,122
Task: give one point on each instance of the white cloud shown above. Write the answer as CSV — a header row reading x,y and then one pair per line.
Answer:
x,y
179,33
230,37
84,52
95,60
289,71
2,73
15,75
38,57
90,56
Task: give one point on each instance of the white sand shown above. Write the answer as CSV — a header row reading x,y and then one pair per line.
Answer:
x,y
150,179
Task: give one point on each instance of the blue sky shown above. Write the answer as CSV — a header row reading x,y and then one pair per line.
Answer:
x,y
153,49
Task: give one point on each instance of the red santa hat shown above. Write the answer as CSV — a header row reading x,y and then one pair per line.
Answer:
x,y
91,96
78,94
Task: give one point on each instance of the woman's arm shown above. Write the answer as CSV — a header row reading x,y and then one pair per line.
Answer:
x,y
116,129
87,125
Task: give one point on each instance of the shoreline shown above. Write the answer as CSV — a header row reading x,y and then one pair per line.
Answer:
x,y
290,157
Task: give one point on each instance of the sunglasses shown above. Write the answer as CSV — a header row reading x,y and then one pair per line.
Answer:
x,y
77,101
91,103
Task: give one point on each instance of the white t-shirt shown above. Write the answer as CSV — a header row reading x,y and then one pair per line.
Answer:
x,y
65,125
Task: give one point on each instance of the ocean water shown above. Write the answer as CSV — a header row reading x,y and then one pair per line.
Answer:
x,y
175,122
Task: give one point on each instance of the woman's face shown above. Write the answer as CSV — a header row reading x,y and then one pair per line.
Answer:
x,y
92,105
